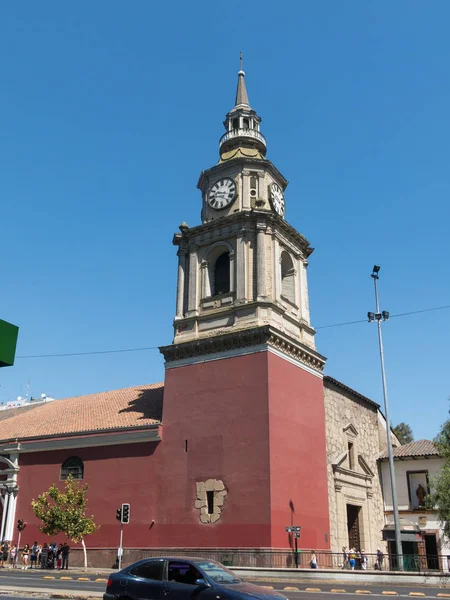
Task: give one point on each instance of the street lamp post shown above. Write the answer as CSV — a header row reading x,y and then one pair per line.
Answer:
x,y
379,317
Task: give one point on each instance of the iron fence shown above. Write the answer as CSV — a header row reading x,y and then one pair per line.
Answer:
x,y
269,559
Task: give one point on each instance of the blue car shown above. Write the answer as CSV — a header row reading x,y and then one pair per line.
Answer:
x,y
182,579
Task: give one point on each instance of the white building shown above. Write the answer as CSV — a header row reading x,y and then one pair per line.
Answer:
x,y
415,466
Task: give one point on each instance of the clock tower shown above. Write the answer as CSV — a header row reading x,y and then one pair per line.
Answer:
x,y
243,385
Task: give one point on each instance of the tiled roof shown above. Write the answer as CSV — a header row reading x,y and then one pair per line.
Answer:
x,y
117,409
414,449
7,413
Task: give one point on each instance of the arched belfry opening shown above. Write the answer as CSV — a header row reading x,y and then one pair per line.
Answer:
x,y
221,274
287,278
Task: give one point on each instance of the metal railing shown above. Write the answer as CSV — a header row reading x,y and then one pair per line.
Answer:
x,y
302,559
249,133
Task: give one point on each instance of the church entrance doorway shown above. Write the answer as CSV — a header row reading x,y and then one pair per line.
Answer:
x,y
353,526
431,551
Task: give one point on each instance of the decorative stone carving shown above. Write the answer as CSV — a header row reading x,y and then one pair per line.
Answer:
x,y
208,513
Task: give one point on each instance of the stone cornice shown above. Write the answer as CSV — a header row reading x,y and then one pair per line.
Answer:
x,y
253,218
243,338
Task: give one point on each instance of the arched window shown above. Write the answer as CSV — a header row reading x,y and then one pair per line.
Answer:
x,y
287,278
72,466
235,123
222,274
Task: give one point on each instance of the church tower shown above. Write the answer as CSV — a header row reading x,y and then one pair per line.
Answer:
x,y
243,400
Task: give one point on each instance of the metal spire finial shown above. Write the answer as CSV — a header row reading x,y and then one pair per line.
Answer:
x,y
240,61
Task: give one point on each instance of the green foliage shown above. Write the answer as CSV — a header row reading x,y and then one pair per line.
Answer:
x,y
439,499
64,511
403,433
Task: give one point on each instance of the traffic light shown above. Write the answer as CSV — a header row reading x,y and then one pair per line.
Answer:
x,y
125,513
21,525
119,514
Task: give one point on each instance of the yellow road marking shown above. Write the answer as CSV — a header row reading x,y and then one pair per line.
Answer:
x,y
363,592
443,596
416,594
389,593
291,589
82,578
313,590
103,580
337,591
65,578
268,587
48,577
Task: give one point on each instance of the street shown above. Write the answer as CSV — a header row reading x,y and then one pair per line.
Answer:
x,y
77,584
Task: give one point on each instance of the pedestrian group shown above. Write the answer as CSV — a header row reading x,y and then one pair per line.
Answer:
x,y
47,556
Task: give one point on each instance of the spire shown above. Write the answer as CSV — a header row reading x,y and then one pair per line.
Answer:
x,y
241,92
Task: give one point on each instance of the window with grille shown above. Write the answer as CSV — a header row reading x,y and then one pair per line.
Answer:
x,y
72,466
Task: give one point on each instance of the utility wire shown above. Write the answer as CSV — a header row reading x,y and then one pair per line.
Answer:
x,y
405,314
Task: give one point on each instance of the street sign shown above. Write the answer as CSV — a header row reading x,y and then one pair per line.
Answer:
x,y
295,529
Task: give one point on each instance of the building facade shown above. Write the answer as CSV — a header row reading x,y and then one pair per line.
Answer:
x,y
416,464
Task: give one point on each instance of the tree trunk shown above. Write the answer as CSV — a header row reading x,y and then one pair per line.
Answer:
x,y
85,554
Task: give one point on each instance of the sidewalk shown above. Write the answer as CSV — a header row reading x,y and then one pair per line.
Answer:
x,y
396,577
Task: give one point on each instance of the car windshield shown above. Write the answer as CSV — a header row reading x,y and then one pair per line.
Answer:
x,y
216,572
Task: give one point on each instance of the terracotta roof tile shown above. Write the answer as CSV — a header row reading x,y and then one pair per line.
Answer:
x,y
414,449
130,407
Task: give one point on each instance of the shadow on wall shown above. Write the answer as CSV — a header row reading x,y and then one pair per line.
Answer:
x,y
148,404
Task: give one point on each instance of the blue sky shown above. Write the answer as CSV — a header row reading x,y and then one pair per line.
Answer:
x,y
109,112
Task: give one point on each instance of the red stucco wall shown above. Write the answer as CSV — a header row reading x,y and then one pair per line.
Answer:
x,y
115,474
221,409
298,471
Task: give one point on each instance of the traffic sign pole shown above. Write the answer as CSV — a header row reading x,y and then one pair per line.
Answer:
x,y
295,530
121,546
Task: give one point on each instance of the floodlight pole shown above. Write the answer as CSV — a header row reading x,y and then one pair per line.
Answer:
x,y
378,317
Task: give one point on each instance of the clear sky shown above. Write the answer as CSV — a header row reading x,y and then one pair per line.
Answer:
x,y
109,112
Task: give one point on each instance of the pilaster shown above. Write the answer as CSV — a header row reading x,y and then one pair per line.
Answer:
x,y
241,284
193,283
261,261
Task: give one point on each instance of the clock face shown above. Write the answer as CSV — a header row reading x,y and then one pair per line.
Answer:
x,y
277,199
222,193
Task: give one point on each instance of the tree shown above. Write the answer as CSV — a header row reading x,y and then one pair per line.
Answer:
x,y
403,433
65,512
439,499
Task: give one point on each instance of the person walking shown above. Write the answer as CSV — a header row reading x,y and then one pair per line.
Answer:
x,y
25,556
313,562
363,560
344,557
65,556
380,558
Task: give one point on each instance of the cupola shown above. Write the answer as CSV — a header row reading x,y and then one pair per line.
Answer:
x,y
242,126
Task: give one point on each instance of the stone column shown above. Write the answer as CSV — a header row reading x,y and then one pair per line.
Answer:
x,y
180,283
276,270
5,512
305,298
241,283
205,279
11,519
232,272
193,283
261,261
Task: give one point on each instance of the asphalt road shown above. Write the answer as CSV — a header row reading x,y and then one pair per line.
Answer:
x,y
49,581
